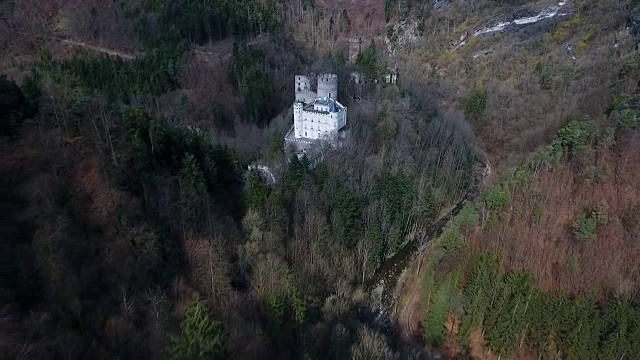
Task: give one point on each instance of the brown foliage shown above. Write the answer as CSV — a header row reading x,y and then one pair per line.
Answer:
x,y
536,232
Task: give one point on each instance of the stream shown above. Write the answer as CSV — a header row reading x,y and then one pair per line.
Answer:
x,y
386,281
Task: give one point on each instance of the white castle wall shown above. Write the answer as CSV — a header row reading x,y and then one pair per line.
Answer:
x,y
312,119
317,125
302,83
328,86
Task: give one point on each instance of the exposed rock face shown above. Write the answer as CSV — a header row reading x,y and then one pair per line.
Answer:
x,y
440,4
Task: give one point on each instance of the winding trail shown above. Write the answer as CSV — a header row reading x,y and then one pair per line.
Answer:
x,y
99,49
130,56
408,324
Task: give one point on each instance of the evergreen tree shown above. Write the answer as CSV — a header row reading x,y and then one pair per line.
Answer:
x,y
201,337
615,341
256,191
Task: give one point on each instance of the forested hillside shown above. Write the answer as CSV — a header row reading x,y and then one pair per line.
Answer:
x,y
545,264
132,228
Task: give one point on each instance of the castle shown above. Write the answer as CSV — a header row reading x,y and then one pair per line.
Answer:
x,y
317,115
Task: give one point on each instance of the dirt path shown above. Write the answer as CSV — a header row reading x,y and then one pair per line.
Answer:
x,y
407,316
129,56
222,52
98,49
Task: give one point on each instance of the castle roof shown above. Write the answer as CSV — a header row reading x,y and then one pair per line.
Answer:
x,y
334,107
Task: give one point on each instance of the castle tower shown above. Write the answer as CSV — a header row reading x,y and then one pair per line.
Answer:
x,y
297,119
328,86
355,46
302,83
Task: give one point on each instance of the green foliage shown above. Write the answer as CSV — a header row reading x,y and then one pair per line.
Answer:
x,y
276,146
497,304
345,22
404,7
254,84
606,139
441,305
386,127
158,146
547,76
378,242
256,191
276,308
452,243
296,171
511,312
201,337
624,110
625,101
475,104
566,29
191,176
421,27
346,214
388,9
579,328
425,208
478,293
585,227
369,63
396,192
575,138
628,119
615,340
153,73
506,318
631,220
299,306
572,264
496,199
468,217
544,158
162,21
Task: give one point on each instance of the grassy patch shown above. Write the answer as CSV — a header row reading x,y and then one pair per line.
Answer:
x,y
566,29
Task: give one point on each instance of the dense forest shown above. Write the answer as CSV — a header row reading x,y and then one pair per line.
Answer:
x,y
132,227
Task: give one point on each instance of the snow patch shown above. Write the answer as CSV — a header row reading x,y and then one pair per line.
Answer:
x,y
545,13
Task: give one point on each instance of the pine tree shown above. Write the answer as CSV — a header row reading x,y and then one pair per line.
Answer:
x,y
256,191
441,305
478,293
201,337
277,306
581,340
615,341
299,306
